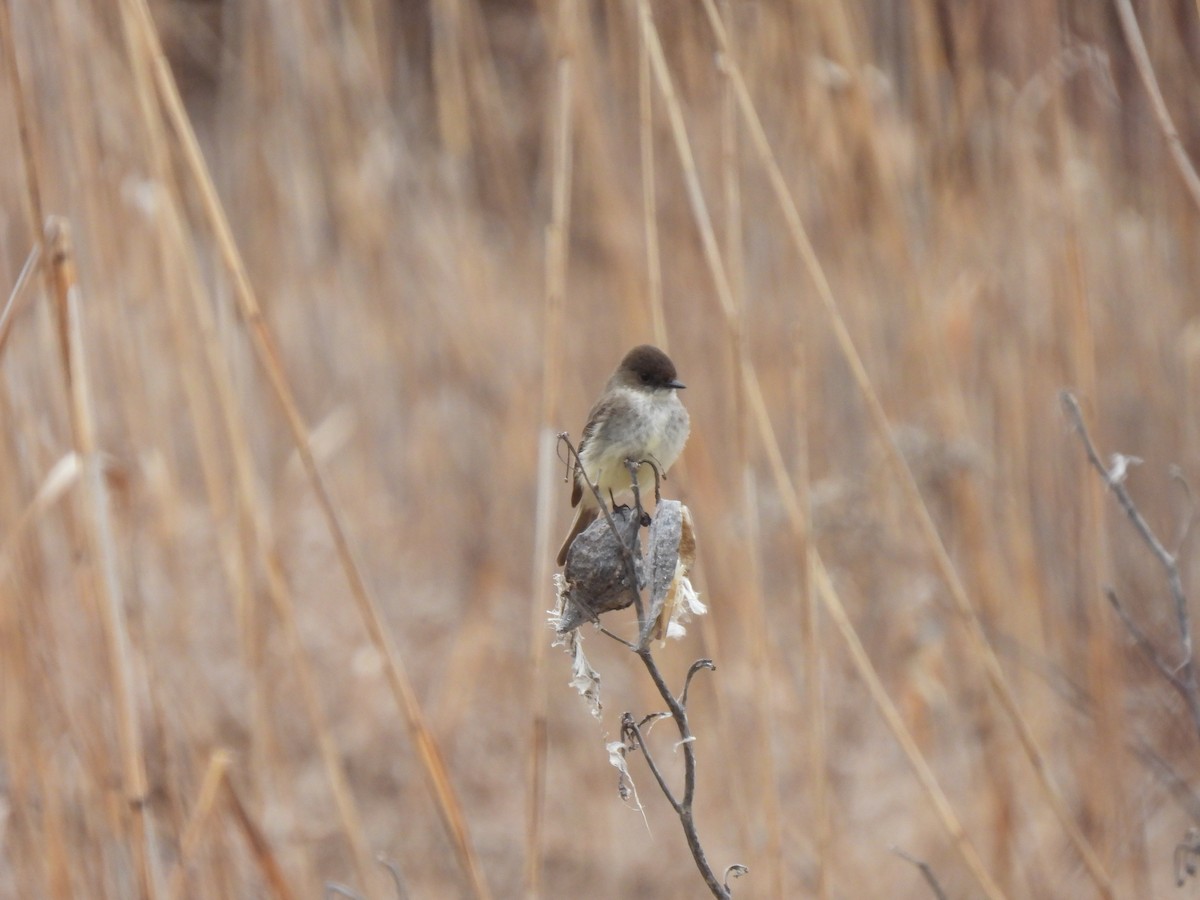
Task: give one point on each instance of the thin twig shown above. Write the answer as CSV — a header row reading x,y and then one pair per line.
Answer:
x,y
633,730
616,637
687,683
650,718
926,871
1183,676
1143,643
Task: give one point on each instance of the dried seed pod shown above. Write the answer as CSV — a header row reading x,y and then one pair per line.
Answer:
x,y
596,577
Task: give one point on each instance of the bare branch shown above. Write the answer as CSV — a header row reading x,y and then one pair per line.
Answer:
x,y
1143,642
696,667
1183,677
926,871
631,731
684,807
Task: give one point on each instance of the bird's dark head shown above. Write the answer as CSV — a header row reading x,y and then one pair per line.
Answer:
x,y
648,368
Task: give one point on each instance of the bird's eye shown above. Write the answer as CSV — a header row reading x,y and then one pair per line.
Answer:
x,y
646,377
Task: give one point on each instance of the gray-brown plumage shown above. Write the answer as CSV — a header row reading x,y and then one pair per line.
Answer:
x,y
639,416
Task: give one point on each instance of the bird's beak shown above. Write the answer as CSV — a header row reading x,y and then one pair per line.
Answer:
x,y
678,385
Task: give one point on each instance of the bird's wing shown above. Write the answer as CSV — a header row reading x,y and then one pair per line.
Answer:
x,y
596,419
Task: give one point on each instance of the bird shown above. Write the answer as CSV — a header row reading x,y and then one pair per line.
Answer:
x,y
638,416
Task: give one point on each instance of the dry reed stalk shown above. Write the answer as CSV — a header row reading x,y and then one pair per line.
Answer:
x,y
557,245
265,346
908,167
654,285
763,661
595,172
879,695
365,28
500,161
252,537
453,112
39,847
177,268
983,650
35,213
55,846
978,550
1145,70
213,780
712,256
260,847
805,598
61,478
103,548
43,845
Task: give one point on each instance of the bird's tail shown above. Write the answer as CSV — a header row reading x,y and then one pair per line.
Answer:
x,y
584,516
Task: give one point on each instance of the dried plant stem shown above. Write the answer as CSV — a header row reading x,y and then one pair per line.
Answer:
x,y
206,799
58,481
812,645
1141,59
35,214
557,247
764,657
650,196
926,873
683,805
1182,677
216,782
631,731
103,550
264,856
263,340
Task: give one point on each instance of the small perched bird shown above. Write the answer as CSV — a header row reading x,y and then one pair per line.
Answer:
x,y
638,417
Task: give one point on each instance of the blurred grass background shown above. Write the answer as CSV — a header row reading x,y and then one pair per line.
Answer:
x,y
442,209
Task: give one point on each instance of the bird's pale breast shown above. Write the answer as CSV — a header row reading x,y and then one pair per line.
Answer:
x,y
645,426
